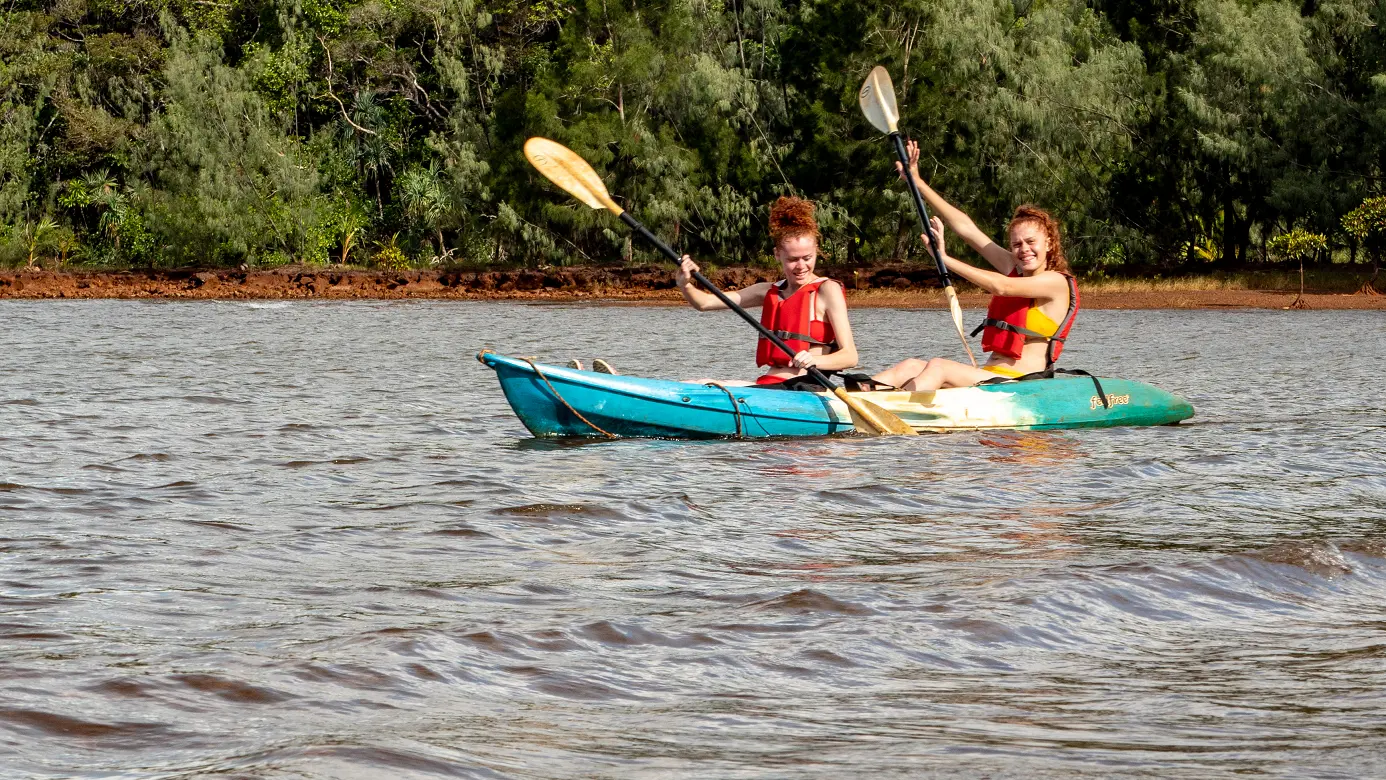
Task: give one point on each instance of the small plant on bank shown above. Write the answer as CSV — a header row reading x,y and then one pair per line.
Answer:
x,y
389,257
1367,223
37,237
1297,245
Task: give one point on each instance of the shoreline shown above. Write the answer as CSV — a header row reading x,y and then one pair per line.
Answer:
x,y
881,287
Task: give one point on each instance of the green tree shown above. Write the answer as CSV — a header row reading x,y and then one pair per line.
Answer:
x,y
230,186
1298,245
1367,223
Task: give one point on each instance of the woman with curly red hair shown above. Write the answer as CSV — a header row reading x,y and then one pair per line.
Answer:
x,y
807,311
1034,297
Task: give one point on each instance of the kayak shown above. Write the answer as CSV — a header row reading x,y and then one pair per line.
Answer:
x,y
554,401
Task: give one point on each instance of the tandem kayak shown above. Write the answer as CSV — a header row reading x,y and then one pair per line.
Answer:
x,y
554,401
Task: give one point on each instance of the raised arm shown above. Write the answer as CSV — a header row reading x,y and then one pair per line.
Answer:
x,y
998,256
1046,285
702,300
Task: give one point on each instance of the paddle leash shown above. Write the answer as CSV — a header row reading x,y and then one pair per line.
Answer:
x,y
877,98
572,174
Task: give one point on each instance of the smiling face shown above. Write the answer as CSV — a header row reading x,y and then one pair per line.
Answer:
x,y
797,257
1030,247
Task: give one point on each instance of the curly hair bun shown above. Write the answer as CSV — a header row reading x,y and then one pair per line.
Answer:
x,y
792,217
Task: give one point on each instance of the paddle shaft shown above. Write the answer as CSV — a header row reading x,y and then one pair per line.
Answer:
x,y
669,252
920,208
923,211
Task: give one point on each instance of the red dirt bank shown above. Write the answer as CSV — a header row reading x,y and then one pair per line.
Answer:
x,y
888,286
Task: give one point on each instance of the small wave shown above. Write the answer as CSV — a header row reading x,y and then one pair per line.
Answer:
x,y
220,525
299,464
231,690
567,687
350,676
1370,548
28,632
124,687
462,531
557,512
807,601
52,724
607,633
348,760
1320,558
496,642
211,400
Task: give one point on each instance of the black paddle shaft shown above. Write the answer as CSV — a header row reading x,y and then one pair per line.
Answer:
x,y
919,207
672,255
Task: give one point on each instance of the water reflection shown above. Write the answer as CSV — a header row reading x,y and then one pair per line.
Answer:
x,y
1031,448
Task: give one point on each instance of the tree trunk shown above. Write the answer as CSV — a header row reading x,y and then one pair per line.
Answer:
x,y
1369,287
1228,258
1300,303
902,237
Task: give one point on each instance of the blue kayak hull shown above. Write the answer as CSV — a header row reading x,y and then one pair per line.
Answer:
x,y
554,401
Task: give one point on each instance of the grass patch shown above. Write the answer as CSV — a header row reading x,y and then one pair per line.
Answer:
x,y
1315,280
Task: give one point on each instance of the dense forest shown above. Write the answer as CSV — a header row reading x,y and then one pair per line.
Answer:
x,y
1166,134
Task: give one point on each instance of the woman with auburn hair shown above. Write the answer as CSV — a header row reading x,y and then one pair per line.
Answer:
x,y
807,311
1034,297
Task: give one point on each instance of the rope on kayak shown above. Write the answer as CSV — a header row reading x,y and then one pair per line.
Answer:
x,y
562,400
736,408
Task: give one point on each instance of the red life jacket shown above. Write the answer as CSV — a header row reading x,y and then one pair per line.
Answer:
x,y
795,320
1005,329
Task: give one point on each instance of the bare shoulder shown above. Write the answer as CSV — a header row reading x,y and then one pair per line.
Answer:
x,y
831,296
1053,280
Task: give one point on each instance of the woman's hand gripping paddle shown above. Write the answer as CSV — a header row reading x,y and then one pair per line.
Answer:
x,y
877,99
571,173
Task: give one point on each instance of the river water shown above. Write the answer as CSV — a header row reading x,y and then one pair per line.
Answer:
x,y
310,540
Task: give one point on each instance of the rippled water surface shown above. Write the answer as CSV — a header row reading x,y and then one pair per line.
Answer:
x,y
275,540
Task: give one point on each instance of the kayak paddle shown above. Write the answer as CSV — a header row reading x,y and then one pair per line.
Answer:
x,y
571,173
877,98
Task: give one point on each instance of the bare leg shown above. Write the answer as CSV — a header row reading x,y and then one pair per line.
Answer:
x,y
900,373
939,373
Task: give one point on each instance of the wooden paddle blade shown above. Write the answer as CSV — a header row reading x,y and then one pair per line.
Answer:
x,y
870,418
564,167
877,98
956,310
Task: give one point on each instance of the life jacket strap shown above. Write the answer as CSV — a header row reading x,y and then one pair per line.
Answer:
x,y
864,383
789,335
1062,332
1003,325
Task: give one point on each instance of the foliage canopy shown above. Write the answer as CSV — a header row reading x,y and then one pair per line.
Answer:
x,y
1164,134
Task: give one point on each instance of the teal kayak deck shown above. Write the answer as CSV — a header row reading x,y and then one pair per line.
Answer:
x,y
552,401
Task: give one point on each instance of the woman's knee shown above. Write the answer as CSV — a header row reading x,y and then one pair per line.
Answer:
x,y
911,366
936,365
